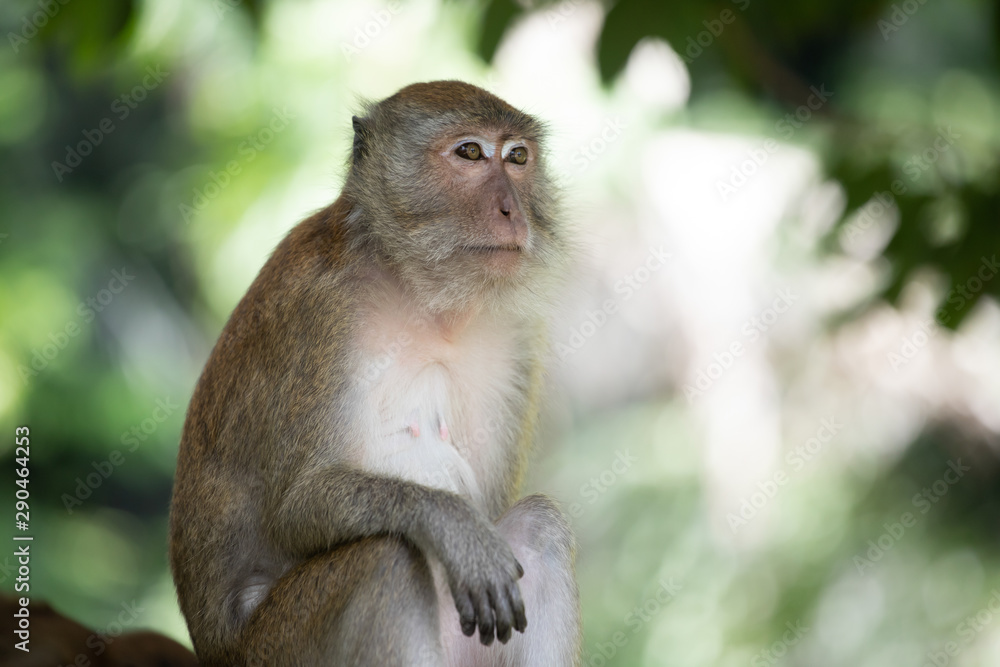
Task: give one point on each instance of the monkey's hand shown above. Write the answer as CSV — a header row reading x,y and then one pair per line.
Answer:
x,y
482,573
335,504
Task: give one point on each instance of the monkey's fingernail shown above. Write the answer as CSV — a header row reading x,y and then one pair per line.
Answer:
x,y
520,570
415,429
443,430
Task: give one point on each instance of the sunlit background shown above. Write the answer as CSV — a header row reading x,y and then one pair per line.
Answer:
x,y
775,388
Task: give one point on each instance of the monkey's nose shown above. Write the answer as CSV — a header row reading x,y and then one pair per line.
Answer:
x,y
506,204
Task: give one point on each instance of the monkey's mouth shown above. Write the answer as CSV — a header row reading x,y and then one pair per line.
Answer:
x,y
493,249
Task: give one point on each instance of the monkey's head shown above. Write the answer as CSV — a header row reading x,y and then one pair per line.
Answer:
x,y
448,182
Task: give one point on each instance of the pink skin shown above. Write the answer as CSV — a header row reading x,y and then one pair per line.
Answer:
x,y
505,234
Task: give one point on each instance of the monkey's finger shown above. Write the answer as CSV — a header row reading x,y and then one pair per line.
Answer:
x,y
504,616
466,614
517,607
485,614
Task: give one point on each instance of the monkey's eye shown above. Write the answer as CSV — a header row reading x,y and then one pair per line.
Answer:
x,y
470,151
518,155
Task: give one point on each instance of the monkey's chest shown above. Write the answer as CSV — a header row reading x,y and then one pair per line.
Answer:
x,y
441,422
415,428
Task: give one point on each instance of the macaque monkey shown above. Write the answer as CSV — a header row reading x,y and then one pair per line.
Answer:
x,y
352,454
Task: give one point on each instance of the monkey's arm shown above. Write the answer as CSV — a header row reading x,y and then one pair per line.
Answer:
x,y
336,504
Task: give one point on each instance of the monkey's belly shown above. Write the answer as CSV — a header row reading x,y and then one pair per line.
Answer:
x,y
417,433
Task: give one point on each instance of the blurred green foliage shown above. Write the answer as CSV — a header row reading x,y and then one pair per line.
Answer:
x,y
778,52
61,235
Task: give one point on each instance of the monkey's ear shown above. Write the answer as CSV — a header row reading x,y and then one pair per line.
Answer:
x,y
361,131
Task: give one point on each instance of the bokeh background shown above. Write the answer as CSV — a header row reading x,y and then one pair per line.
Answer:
x,y
775,386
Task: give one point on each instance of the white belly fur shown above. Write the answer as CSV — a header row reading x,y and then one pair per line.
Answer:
x,y
414,432
436,411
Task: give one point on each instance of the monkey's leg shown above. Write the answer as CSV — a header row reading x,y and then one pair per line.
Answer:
x,y
371,602
543,543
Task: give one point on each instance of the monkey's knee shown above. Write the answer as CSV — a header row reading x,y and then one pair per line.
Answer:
x,y
542,541
371,602
537,527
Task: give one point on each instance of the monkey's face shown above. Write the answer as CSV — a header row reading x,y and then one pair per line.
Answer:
x,y
469,203
452,183
484,181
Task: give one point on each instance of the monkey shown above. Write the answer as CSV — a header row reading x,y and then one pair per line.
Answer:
x,y
348,471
